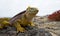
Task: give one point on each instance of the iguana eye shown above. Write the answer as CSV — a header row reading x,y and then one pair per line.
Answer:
x,y
32,10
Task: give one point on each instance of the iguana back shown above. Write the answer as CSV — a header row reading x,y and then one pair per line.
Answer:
x,y
13,19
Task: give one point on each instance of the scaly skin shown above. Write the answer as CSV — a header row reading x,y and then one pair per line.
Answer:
x,y
23,19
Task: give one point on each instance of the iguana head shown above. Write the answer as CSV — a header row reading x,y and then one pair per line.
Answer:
x,y
31,11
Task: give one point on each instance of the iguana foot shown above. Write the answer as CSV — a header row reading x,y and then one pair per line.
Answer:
x,y
32,24
20,29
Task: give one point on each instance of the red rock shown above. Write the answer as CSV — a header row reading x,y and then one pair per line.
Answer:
x,y
55,16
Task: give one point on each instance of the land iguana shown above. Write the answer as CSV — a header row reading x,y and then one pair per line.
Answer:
x,y
23,19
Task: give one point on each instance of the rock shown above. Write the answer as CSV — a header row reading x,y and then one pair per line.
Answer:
x,y
35,32
12,33
31,32
9,31
4,34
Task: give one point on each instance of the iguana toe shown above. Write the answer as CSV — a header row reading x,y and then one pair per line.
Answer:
x,y
21,29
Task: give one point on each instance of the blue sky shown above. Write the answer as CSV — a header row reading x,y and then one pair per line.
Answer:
x,y
9,8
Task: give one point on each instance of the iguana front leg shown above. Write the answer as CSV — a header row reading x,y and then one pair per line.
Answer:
x,y
31,24
19,28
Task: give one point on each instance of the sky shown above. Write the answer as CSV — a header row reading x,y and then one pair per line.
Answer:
x,y
9,8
